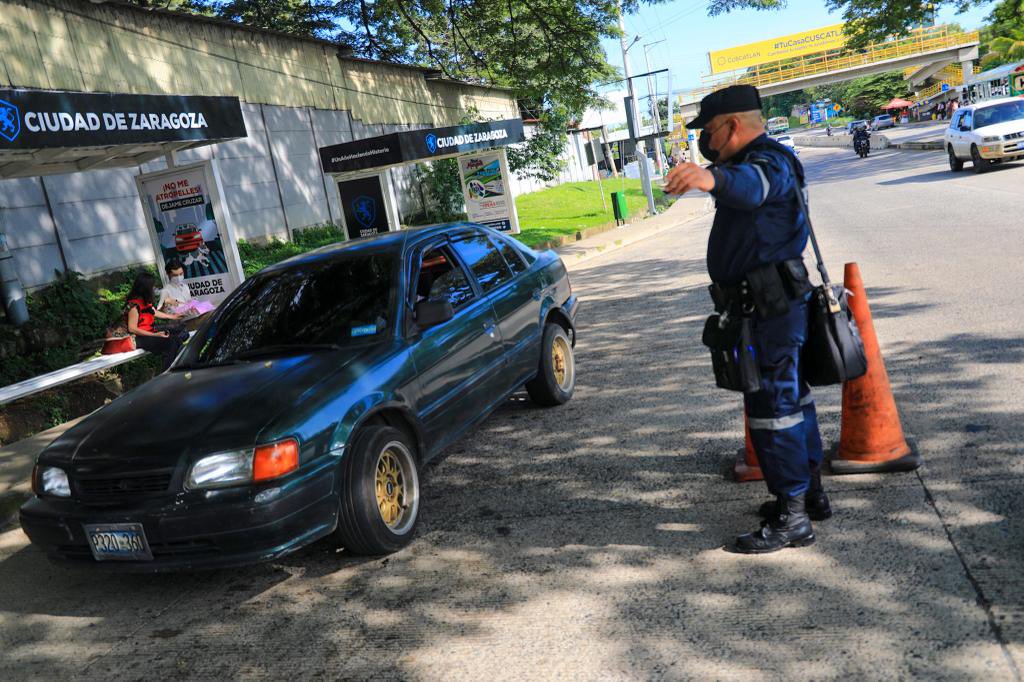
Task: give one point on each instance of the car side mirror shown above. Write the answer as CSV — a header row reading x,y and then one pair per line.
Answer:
x,y
432,313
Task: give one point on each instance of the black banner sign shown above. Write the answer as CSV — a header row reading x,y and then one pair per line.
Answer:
x,y
362,200
33,119
419,145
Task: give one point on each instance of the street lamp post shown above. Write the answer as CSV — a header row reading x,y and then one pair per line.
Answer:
x,y
654,107
645,172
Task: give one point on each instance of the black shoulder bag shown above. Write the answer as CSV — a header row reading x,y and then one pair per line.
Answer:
x,y
833,352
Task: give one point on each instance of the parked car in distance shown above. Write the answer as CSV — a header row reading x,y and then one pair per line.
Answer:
x,y
986,133
853,125
882,122
307,404
787,140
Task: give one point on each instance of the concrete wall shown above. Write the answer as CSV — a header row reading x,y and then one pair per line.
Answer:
x,y
76,45
297,96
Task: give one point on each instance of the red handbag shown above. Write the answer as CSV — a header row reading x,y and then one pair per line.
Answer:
x,y
118,341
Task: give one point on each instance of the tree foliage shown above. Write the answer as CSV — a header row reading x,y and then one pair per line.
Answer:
x,y
1002,41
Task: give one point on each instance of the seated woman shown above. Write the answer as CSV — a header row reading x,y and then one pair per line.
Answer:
x,y
141,316
176,298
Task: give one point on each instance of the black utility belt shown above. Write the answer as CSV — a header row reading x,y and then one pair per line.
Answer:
x,y
765,290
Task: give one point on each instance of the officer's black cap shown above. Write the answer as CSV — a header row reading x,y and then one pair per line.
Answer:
x,y
730,100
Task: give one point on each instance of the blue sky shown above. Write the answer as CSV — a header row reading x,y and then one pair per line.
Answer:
x,y
689,33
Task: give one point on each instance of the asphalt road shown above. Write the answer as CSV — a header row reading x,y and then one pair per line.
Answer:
x,y
586,541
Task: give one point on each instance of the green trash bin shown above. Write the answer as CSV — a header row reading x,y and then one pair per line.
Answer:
x,y
619,207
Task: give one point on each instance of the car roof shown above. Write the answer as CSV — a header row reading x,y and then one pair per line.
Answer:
x,y
990,103
387,242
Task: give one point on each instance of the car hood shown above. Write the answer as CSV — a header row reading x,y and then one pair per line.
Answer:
x,y
181,413
1001,128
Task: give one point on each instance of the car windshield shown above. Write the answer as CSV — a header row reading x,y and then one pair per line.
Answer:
x,y
306,308
999,113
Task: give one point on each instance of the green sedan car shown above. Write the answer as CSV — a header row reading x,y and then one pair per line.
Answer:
x,y
308,403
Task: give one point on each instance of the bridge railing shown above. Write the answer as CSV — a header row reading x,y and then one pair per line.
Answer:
x,y
920,42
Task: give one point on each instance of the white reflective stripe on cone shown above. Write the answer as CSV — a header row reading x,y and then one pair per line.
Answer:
x,y
776,424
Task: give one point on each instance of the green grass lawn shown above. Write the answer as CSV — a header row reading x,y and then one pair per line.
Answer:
x,y
565,209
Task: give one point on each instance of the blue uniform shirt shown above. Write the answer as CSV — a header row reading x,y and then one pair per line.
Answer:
x,y
757,220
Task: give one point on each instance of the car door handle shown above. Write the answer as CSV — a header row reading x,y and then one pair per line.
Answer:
x,y
491,330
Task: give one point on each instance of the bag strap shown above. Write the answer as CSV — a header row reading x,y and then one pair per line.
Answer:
x,y
833,302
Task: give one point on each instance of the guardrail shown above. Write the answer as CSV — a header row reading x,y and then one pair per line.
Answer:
x,y
922,42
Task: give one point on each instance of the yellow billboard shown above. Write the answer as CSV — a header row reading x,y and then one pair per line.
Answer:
x,y
774,49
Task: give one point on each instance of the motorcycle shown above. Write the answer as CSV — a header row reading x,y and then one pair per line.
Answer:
x,y
862,145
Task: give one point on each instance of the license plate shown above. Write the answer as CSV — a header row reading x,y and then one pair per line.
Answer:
x,y
118,541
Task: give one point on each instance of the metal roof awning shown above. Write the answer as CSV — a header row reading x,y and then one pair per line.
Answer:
x,y
374,154
49,132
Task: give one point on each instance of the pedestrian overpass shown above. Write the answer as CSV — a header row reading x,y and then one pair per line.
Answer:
x,y
922,54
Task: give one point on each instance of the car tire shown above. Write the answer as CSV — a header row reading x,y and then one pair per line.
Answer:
x,y
980,165
380,492
955,164
556,375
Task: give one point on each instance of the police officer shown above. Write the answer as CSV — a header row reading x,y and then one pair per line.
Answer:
x,y
755,259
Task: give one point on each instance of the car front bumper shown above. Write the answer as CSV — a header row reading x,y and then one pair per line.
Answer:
x,y
214,529
1002,150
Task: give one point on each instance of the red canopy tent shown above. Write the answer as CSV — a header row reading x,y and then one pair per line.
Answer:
x,y
898,103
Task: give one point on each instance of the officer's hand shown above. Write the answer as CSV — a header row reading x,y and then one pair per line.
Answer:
x,y
687,176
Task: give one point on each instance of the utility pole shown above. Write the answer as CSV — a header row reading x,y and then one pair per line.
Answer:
x,y
641,149
654,108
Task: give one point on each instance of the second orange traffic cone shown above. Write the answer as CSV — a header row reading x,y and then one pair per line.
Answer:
x,y
747,467
871,437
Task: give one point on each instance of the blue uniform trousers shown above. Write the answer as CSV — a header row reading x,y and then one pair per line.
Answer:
x,y
783,421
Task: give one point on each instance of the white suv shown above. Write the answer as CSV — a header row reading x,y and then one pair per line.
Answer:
x,y
986,133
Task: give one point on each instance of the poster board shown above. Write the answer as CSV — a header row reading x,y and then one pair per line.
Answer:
x,y
485,187
367,205
187,219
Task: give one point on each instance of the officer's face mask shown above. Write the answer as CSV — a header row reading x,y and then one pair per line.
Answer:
x,y
704,143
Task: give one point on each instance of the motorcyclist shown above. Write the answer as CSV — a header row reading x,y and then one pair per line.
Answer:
x,y
828,129
861,135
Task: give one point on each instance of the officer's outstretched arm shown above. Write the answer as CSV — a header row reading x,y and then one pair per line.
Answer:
x,y
761,178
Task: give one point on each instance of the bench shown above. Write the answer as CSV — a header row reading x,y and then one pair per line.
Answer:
x,y
64,375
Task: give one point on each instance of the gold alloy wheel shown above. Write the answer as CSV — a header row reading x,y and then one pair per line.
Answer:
x,y
391,488
561,362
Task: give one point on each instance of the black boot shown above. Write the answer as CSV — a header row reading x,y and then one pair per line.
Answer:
x,y
791,528
818,507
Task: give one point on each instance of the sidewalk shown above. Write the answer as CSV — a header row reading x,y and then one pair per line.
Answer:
x,y
685,209
17,459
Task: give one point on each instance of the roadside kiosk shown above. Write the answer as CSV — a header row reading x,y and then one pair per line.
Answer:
x,y
368,200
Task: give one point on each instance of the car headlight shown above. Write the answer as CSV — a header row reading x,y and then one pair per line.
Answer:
x,y
221,469
51,481
264,463
993,138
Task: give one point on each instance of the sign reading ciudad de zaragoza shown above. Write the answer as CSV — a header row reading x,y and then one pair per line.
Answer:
x,y
36,119
415,145
774,49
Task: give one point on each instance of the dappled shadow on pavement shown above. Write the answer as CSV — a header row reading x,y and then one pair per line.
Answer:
x,y
581,541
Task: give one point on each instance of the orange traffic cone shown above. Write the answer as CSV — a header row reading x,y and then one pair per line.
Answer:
x,y
746,467
871,437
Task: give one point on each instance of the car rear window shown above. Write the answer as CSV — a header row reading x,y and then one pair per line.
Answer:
x,y
484,260
341,302
513,256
